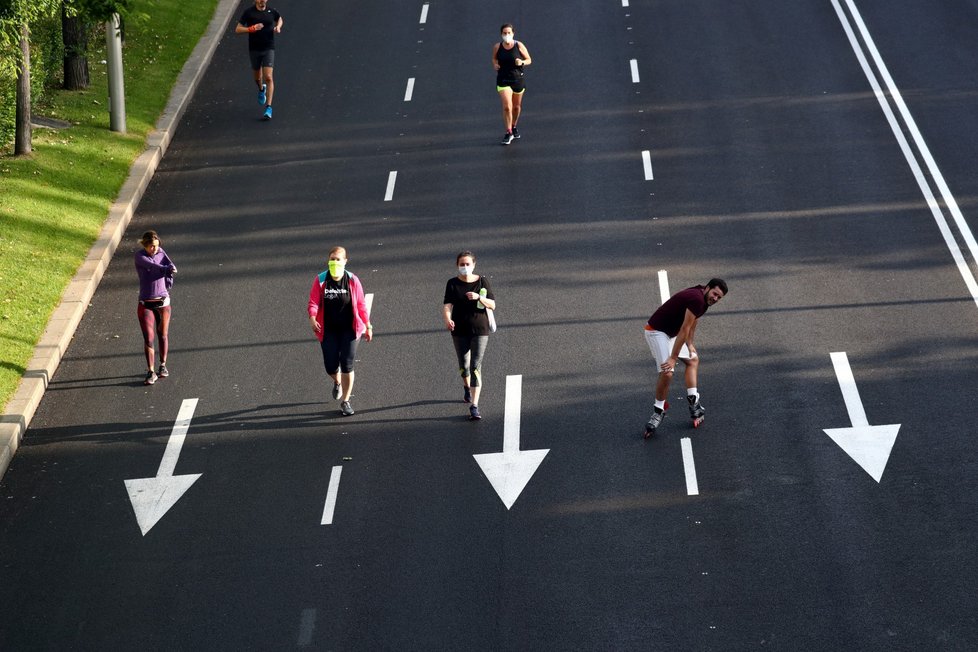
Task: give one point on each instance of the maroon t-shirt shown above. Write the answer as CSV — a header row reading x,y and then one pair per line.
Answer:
x,y
670,315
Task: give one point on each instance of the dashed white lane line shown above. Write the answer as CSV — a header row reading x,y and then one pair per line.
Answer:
x,y
663,286
331,493
647,163
424,13
410,90
634,65
389,195
692,488
307,624
624,3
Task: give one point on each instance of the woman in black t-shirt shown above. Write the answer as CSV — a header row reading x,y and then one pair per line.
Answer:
x,y
467,298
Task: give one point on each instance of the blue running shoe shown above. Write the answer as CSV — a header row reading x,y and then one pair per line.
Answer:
x,y
261,95
268,113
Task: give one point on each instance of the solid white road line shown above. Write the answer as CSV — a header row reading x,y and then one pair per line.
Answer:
x,y
307,624
692,488
647,163
334,487
424,13
969,278
410,90
634,64
847,383
177,436
390,185
935,172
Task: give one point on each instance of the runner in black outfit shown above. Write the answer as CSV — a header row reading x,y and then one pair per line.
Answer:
x,y
261,23
509,57
467,298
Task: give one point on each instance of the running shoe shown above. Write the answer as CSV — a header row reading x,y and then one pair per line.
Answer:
x,y
467,395
163,372
261,95
346,408
507,138
150,377
516,132
268,113
474,413
337,392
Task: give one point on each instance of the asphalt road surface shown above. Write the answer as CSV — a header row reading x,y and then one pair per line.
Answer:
x,y
771,163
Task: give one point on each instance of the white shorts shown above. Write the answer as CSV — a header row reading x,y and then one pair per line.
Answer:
x,y
661,346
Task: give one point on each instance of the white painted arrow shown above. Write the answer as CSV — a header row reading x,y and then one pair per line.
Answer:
x,y
153,497
511,470
868,445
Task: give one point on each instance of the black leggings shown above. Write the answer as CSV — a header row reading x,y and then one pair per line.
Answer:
x,y
339,350
470,349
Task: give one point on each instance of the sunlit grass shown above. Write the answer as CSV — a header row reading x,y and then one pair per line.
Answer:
x,y
53,204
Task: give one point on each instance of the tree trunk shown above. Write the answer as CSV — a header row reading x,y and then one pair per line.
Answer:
x,y
22,141
74,34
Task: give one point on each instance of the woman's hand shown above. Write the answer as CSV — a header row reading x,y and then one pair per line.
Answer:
x,y
450,325
474,296
315,324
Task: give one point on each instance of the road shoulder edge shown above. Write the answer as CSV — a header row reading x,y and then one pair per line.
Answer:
x,y
61,327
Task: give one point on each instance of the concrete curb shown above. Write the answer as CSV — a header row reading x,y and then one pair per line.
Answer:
x,y
61,327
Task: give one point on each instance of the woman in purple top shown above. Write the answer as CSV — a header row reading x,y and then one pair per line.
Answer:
x,y
155,270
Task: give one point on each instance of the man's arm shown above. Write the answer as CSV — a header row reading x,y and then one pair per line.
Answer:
x,y
689,340
685,334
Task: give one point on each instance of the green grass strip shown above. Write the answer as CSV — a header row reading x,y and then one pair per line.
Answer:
x,y
53,204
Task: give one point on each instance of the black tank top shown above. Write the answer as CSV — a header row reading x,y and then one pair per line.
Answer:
x,y
508,71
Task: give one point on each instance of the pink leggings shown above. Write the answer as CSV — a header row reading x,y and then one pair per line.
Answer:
x,y
154,321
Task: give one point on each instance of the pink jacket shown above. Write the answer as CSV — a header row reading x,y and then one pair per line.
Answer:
x,y
360,316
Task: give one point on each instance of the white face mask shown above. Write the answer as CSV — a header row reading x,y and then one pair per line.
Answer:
x,y
465,270
507,38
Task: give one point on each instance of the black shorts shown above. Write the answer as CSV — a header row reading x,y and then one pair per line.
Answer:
x,y
517,85
339,351
262,59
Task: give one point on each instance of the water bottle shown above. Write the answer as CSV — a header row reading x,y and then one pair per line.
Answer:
x,y
482,293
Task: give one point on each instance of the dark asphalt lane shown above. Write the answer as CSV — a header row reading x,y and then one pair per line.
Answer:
x,y
774,168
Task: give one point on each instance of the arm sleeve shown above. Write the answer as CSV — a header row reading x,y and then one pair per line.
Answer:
x,y
313,307
145,263
361,302
449,299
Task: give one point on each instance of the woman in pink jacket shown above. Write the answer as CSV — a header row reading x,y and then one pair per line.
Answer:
x,y
338,315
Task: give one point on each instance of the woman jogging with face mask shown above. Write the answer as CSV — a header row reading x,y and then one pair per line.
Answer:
x,y
468,298
338,316
509,57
